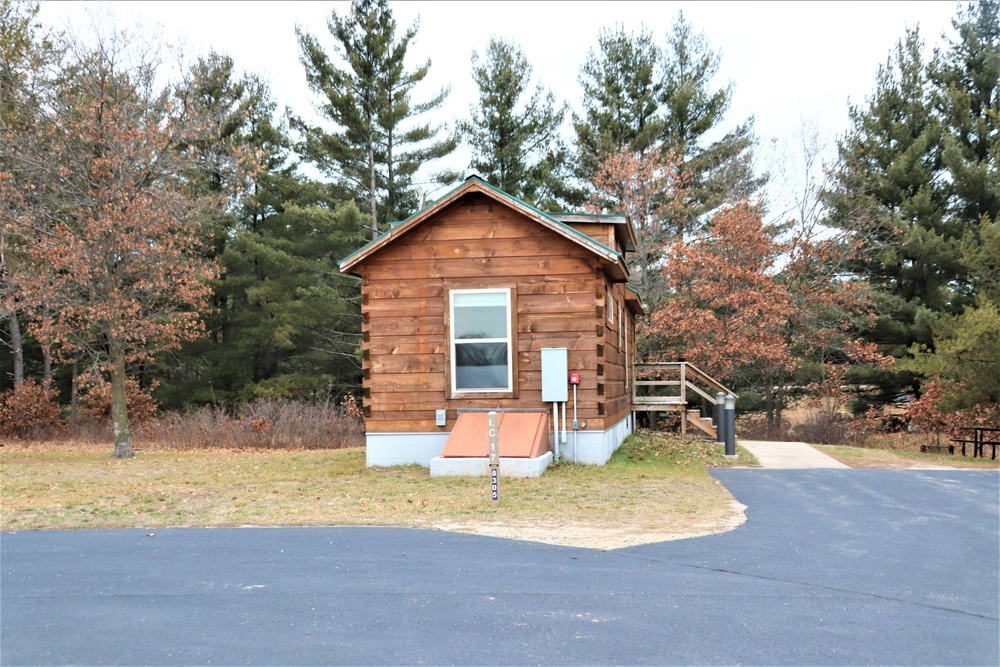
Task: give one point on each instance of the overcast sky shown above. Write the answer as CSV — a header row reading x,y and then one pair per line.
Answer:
x,y
789,61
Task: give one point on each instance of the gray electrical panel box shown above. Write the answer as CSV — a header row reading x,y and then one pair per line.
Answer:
x,y
555,375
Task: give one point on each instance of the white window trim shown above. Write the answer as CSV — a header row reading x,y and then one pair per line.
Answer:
x,y
509,340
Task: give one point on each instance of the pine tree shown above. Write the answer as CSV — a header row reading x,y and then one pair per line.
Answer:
x,y
286,323
917,187
640,96
621,98
366,93
514,138
965,349
722,170
885,192
966,97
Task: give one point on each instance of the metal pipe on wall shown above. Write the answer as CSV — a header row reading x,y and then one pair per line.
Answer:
x,y
555,429
564,422
576,431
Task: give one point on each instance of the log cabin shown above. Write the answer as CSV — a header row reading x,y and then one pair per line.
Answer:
x,y
460,303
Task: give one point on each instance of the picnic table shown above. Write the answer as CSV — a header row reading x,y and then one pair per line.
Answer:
x,y
982,436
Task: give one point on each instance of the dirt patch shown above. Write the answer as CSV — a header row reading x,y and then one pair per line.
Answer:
x,y
594,536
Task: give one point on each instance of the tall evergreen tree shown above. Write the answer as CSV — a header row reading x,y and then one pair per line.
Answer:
x,y
917,186
966,98
640,96
514,138
964,353
721,170
286,324
918,173
886,192
373,151
621,98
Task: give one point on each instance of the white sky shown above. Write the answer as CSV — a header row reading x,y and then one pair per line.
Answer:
x,y
789,61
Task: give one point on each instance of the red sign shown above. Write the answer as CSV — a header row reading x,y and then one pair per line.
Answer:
x,y
574,378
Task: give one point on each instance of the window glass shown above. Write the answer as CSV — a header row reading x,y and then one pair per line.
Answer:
x,y
479,315
480,339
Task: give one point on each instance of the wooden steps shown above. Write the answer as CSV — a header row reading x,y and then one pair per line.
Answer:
x,y
706,424
689,380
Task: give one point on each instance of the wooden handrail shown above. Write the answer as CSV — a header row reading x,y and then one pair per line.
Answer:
x,y
685,367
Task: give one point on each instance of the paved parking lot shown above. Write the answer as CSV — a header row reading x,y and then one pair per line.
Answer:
x,y
832,567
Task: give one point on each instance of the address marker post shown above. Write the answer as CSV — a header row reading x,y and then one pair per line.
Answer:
x,y
493,423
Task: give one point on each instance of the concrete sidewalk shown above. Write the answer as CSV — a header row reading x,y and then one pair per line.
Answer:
x,y
789,455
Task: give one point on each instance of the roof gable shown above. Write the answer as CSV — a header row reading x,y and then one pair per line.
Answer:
x,y
475,184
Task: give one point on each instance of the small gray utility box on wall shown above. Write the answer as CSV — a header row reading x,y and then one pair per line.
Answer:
x,y
555,374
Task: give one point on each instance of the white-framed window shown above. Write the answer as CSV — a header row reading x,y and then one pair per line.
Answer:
x,y
481,343
611,307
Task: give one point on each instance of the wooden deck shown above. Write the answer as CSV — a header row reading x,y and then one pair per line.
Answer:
x,y
665,387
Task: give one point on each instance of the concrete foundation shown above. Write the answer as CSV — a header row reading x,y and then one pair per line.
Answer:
x,y
393,449
479,467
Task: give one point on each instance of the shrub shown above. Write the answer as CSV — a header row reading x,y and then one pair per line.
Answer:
x,y
351,409
28,407
756,427
822,428
261,424
96,399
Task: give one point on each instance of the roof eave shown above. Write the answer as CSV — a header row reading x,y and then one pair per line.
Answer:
x,y
475,183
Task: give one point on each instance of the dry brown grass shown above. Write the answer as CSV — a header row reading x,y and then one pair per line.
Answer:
x,y
868,457
260,424
655,488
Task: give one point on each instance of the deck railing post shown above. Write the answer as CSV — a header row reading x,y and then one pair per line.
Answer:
x,y
684,403
684,384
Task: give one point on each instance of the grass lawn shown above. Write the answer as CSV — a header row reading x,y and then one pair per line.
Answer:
x,y
655,487
864,457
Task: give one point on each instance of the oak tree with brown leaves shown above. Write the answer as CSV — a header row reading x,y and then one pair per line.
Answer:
x,y
647,188
117,249
726,311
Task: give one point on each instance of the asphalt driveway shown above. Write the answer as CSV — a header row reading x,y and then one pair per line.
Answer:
x,y
832,567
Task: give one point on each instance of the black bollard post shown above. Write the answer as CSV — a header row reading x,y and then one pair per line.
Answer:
x,y
730,420
720,429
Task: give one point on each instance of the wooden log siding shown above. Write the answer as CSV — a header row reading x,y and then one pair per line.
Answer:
x,y
559,295
617,397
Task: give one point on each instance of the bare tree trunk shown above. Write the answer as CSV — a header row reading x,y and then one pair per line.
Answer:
x,y
769,402
46,365
74,391
119,409
779,403
9,288
371,194
47,352
18,347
